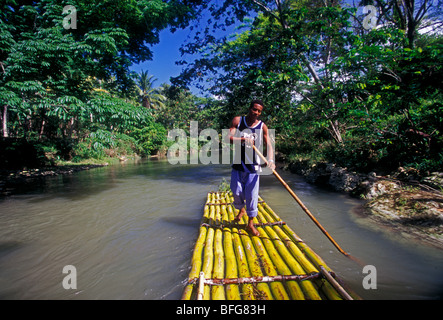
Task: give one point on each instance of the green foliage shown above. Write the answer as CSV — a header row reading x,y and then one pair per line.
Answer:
x,y
224,186
150,139
334,91
150,97
101,144
74,85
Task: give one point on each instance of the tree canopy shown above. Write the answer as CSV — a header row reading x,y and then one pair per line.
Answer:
x,y
334,88
65,73
358,85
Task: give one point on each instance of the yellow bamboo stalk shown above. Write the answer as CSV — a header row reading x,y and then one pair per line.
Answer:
x,y
208,257
232,290
231,270
218,292
217,214
224,213
262,291
196,263
308,288
242,263
208,260
205,218
277,288
309,255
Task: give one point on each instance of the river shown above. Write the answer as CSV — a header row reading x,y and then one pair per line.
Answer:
x,y
129,230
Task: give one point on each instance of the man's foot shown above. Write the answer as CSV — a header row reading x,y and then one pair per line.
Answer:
x,y
250,228
241,213
253,231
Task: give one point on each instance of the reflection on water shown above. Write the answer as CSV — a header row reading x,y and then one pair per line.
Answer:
x,y
129,230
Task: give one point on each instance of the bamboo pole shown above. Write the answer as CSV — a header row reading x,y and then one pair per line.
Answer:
x,y
196,263
277,288
231,270
278,264
218,292
208,257
305,209
262,291
201,286
232,290
308,254
309,291
336,285
242,264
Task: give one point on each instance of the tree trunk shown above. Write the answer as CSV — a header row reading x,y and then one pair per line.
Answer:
x,y
145,103
42,129
5,121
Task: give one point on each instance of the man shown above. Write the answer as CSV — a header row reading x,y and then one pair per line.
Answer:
x,y
243,133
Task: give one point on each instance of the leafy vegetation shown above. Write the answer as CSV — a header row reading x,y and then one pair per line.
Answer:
x,y
74,84
365,98
335,90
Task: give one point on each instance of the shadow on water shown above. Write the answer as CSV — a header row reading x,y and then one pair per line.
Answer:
x,y
182,221
7,247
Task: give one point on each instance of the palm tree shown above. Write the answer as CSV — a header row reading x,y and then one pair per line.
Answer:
x,y
151,97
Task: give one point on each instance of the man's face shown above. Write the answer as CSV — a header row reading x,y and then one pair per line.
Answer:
x,y
256,110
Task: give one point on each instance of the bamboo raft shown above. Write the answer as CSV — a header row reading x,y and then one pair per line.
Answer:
x,y
230,264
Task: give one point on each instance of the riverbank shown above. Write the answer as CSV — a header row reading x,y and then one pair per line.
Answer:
x,y
11,179
402,201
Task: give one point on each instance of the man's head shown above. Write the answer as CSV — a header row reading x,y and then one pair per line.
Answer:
x,y
256,108
259,102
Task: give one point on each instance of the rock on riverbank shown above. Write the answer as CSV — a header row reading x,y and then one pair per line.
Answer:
x,y
11,179
402,200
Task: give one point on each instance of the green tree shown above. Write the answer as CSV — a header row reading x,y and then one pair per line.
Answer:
x,y
285,46
47,72
413,17
356,96
150,96
181,107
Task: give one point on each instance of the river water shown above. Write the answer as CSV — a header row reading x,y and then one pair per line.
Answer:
x,y
129,231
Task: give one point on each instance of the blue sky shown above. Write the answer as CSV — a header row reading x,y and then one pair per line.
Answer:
x,y
165,54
